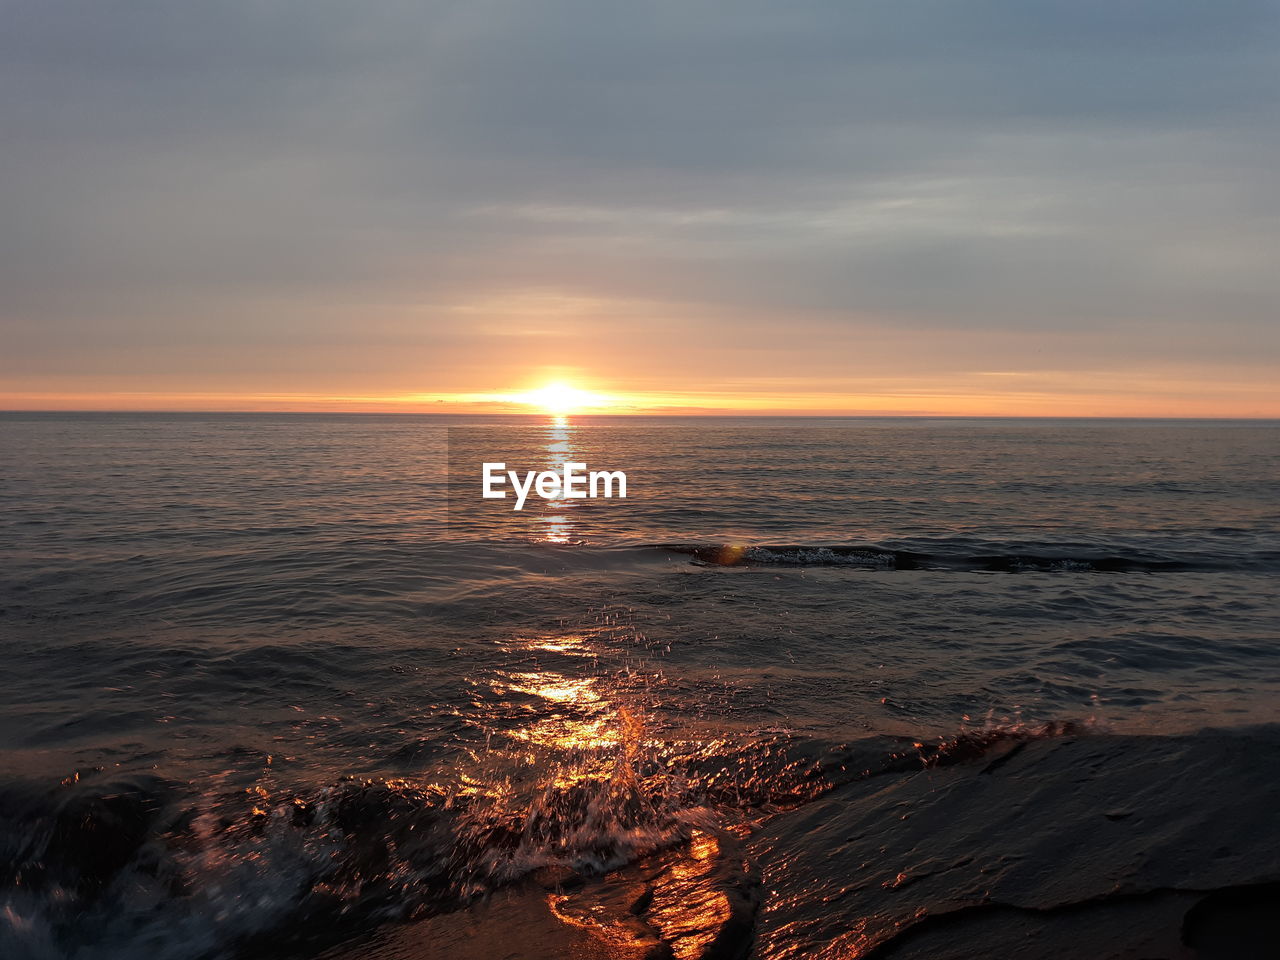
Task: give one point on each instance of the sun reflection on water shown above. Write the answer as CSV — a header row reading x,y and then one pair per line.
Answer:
x,y
572,644
584,775
557,529
576,715
560,450
555,687
691,908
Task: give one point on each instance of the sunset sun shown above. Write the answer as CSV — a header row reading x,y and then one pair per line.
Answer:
x,y
561,398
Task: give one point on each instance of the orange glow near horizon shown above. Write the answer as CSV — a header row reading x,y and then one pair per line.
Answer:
x,y
1176,393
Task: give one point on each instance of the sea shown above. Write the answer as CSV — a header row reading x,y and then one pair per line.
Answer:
x,y
288,685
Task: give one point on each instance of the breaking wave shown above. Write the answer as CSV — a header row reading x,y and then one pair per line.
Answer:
x,y
984,557
102,867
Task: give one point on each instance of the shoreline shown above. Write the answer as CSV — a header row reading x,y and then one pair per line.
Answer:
x,y
1073,845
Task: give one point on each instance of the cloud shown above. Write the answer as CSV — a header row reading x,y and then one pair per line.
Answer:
x,y
304,179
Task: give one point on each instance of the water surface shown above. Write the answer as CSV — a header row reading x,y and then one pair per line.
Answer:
x,y
267,669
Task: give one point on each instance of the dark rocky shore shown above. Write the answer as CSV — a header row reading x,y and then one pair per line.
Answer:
x,y
1054,842
1091,846
1062,846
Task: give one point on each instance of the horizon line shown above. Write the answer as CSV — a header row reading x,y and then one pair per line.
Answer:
x,y
544,415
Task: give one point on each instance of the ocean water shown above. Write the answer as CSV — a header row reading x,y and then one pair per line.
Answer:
x,y
276,685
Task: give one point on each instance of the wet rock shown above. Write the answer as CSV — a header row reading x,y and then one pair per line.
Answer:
x,y
99,829
1240,923
1075,846
557,878
694,902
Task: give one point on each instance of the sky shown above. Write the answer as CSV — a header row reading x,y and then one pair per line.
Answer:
x,y
972,207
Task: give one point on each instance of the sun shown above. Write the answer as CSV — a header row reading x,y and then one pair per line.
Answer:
x,y
561,398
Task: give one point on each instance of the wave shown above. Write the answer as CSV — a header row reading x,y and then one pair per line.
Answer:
x,y
980,557
375,580
96,867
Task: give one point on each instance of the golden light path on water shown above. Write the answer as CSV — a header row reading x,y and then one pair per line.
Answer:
x,y
593,779
560,450
587,736
567,730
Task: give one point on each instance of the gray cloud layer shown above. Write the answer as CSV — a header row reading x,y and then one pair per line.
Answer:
x,y
184,184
